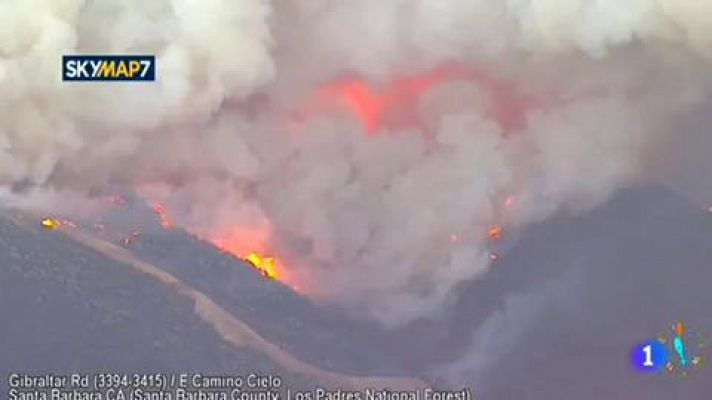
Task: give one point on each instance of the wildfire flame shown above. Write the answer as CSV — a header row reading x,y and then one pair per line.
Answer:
x,y
165,220
264,264
50,223
251,247
396,102
495,232
390,104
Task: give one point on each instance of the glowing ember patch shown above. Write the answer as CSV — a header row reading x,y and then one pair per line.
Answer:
x,y
365,104
163,217
495,232
266,265
249,245
50,223
253,248
395,103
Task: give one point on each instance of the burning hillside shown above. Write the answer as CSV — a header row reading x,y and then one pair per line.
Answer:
x,y
401,103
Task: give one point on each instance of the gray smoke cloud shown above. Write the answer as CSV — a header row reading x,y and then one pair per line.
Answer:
x,y
498,336
573,100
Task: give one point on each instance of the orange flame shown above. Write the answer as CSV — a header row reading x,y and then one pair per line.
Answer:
x,y
254,247
392,103
253,251
165,220
249,245
396,102
264,264
495,232
50,223
360,98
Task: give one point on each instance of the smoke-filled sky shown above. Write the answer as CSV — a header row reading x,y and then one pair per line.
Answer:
x,y
370,145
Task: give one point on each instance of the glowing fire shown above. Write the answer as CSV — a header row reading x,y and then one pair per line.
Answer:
x,y
50,223
396,102
163,217
265,264
391,104
251,250
495,232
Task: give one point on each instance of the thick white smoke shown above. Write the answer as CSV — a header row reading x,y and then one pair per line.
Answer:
x,y
574,100
209,52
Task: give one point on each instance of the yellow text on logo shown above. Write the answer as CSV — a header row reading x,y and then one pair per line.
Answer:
x,y
121,69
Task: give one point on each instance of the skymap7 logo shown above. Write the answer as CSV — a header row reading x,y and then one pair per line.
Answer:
x,y
109,68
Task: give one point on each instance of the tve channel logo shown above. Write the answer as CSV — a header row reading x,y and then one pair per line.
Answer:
x,y
121,68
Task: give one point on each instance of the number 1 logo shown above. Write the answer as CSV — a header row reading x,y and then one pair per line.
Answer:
x,y
649,357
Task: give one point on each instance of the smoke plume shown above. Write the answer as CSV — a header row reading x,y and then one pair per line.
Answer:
x,y
369,145
498,336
